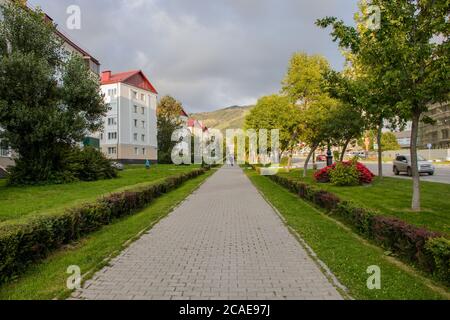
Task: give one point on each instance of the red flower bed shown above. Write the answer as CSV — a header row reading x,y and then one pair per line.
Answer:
x,y
365,175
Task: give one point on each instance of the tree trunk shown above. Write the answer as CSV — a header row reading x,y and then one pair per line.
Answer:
x,y
344,149
305,167
380,151
314,160
289,161
415,206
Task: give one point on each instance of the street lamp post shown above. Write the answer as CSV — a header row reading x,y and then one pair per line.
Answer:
x,y
329,156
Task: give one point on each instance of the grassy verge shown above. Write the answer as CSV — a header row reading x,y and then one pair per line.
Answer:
x,y
25,202
47,280
347,255
392,197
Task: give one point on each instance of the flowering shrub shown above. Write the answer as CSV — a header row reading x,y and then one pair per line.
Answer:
x,y
365,175
344,175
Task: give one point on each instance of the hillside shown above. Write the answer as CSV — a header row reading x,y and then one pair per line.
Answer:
x,y
228,118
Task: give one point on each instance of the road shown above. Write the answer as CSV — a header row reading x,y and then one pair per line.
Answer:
x,y
441,175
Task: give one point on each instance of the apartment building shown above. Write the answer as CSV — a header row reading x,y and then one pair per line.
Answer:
x,y
130,126
69,45
6,154
437,134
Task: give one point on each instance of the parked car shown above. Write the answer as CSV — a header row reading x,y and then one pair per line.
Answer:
x,y
402,163
321,158
119,166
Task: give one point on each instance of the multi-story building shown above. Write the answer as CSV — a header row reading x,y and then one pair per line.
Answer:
x,y
6,154
69,45
437,134
130,126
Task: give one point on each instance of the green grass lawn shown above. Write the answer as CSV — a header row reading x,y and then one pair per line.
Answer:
x,y
24,202
347,255
47,279
392,197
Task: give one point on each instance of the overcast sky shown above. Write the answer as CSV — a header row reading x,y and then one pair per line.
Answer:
x,y
207,53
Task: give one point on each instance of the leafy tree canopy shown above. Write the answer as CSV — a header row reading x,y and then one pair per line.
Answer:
x,y
276,112
169,113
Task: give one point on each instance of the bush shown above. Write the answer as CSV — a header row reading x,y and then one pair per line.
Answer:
x,y
360,218
344,175
438,249
24,243
89,164
426,249
365,176
405,240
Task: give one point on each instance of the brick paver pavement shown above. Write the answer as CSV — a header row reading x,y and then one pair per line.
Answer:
x,y
224,242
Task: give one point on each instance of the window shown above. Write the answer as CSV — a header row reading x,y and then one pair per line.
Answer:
x,y
134,94
135,123
112,121
143,138
135,109
112,92
445,134
136,151
143,124
4,151
101,136
112,135
112,150
135,136
143,97
142,110
143,151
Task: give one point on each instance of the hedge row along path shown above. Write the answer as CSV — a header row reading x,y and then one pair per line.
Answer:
x,y
224,242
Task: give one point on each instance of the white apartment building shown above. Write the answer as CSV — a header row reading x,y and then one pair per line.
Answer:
x,y
6,154
130,126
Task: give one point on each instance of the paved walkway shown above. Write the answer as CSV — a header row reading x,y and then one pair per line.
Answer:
x,y
223,242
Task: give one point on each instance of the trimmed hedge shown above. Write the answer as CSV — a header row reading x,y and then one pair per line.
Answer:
x,y
426,249
22,244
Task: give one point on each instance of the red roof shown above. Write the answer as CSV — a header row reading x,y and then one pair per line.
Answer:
x,y
65,38
135,78
183,113
191,123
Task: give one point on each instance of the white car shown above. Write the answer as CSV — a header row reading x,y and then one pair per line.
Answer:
x,y
402,163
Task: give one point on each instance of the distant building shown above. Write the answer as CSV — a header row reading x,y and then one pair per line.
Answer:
x,y
130,126
404,139
438,134
184,117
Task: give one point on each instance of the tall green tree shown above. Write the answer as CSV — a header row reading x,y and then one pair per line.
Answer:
x,y
169,113
49,100
303,84
276,112
347,121
315,128
304,78
408,55
389,142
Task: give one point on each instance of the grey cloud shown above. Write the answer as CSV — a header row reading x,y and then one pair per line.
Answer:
x,y
208,54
